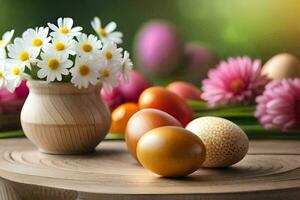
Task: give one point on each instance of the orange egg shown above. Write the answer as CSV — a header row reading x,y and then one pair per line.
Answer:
x,y
167,101
171,151
121,115
142,122
185,90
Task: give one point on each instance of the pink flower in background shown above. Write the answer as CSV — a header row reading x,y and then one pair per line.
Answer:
x,y
237,80
11,103
279,105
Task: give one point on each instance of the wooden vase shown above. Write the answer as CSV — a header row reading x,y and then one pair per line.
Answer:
x,y
59,118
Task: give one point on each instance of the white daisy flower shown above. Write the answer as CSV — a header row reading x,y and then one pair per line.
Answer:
x,y
53,65
84,72
126,67
15,74
112,54
3,74
64,27
88,45
109,77
107,33
22,52
7,36
36,38
61,44
2,53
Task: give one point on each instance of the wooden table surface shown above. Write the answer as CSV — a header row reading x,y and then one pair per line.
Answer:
x,y
271,170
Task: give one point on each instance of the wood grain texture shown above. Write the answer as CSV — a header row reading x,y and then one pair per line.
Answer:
x,y
111,173
61,119
7,192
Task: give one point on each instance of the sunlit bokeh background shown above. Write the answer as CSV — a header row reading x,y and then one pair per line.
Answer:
x,y
256,28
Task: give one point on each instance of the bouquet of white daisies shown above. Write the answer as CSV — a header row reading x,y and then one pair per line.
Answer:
x,y
64,55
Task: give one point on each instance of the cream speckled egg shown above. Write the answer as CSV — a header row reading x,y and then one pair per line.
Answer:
x,y
225,142
282,66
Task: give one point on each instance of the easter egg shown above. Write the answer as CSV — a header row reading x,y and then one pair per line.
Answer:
x,y
184,90
121,115
225,142
162,99
158,48
132,90
144,121
113,99
170,151
198,59
282,66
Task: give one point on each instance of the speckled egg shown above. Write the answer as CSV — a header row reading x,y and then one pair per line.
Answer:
x,y
225,142
282,66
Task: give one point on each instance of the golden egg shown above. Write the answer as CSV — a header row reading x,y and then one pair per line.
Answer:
x,y
225,142
170,151
282,66
144,121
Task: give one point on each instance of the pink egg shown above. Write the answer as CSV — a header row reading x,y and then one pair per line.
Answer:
x,y
185,90
132,90
198,59
159,49
113,99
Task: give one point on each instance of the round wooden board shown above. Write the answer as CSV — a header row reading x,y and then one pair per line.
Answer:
x,y
111,172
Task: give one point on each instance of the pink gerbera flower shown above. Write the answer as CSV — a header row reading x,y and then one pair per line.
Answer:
x,y
239,80
279,105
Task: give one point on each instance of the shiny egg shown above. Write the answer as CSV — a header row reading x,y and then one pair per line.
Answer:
x,y
120,117
171,151
142,122
162,99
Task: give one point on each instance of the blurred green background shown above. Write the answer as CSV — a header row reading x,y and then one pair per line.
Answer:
x,y
258,28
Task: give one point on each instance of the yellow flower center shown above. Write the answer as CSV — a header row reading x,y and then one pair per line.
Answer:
x,y
237,85
59,46
16,71
24,55
37,42
108,55
84,70
105,73
102,32
1,41
53,64
1,73
64,30
87,47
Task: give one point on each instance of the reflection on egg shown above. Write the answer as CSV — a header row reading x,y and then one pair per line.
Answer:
x,y
170,151
142,122
282,66
225,142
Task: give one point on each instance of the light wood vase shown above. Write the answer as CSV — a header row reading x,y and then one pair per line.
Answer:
x,y
59,118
